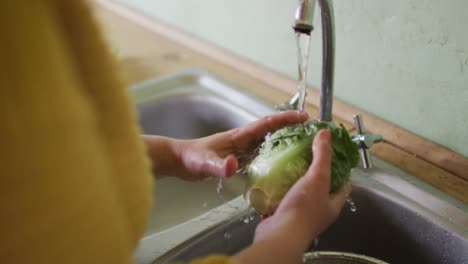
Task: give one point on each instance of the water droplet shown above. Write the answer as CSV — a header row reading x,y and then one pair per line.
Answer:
x,y
227,235
350,201
252,217
219,188
246,220
316,242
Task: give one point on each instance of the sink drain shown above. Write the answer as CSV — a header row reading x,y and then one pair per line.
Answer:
x,y
331,257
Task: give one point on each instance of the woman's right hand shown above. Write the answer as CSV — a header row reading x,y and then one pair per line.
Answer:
x,y
309,201
306,211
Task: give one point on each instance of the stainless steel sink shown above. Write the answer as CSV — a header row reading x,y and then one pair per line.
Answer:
x,y
191,105
187,105
399,219
193,114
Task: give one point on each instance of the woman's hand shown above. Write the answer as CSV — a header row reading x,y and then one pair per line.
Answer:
x,y
217,155
306,211
309,202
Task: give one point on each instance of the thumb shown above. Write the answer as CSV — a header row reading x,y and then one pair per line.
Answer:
x,y
320,170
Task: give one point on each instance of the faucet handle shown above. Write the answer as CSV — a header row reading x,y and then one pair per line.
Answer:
x,y
364,141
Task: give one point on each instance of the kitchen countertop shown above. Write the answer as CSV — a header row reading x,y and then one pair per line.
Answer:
x,y
149,49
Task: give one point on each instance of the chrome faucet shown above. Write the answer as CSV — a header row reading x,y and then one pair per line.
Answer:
x,y
303,23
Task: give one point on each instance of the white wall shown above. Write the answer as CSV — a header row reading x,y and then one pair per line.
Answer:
x,y
403,60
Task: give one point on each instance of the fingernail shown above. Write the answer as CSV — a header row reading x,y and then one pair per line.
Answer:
x,y
325,135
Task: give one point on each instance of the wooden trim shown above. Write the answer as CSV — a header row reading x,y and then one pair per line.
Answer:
x,y
437,177
430,162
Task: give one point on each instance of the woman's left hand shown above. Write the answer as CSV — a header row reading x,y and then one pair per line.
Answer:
x,y
221,154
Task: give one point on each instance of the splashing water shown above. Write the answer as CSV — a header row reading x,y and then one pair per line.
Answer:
x,y
227,235
316,242
244,219
350,201
303,50
219,188
252,217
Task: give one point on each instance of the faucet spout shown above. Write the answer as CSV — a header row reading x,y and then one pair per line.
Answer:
x,y
328,60
303,23
304,16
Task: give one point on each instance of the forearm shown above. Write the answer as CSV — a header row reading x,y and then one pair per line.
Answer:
x,y
164,153
270,251
286,243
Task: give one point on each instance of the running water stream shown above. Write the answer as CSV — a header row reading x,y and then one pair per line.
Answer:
x,y
303,52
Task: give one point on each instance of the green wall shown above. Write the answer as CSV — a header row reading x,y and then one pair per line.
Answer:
x,y
403,60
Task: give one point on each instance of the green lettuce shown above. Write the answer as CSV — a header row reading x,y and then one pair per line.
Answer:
x,y
285,157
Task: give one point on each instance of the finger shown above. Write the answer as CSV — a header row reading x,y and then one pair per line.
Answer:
x,y
244,137
214,165
230,166
319,171
338,199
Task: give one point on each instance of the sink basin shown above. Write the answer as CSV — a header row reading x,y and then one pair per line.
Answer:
x,y
188,116
190,105
399,219
385,225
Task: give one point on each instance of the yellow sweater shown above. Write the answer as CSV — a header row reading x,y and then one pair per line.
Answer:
x,y
75,182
